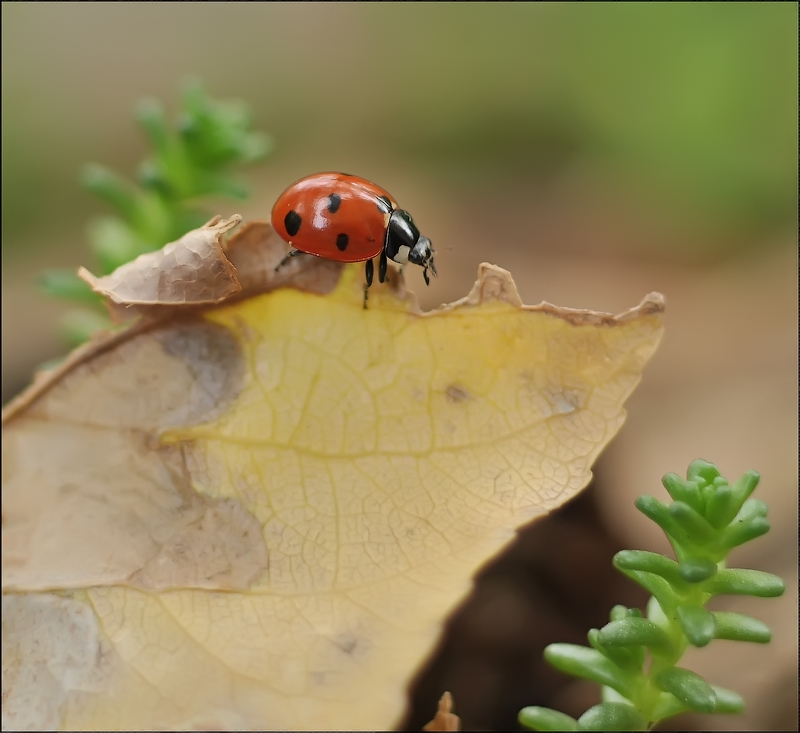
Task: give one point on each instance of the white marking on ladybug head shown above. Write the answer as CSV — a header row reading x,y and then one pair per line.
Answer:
x,y
402,255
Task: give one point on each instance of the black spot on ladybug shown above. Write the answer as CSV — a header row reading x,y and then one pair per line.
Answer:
x,y
384,205
342,240
347,175
292,222
334,202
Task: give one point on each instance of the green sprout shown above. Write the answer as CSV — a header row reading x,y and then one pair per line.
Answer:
x,y
191,162
635,657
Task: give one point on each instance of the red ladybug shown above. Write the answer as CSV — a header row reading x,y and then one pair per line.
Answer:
x,y
346,218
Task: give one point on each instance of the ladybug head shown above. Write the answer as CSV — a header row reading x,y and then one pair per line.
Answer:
x,y
404,243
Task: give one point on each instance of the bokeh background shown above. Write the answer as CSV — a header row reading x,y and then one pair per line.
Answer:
x,y
598,151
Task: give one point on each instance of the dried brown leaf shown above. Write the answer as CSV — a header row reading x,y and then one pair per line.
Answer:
x,y
444,719
192,271
259,514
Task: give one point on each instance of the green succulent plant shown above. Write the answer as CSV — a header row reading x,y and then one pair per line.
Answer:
x,y
635,656
190,161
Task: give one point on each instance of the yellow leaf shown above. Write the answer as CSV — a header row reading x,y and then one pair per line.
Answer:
x,y
258,515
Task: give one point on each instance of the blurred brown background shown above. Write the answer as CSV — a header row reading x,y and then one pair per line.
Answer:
x,y
598,151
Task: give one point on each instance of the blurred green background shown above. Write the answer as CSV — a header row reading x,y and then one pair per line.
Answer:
x,y
598,151
484,120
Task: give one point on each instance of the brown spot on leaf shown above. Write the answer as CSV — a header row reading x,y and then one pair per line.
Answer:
x,y
347,644
210,544
456,394
141,521
50,640
213,357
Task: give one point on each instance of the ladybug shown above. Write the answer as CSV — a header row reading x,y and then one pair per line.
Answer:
x,y
349,219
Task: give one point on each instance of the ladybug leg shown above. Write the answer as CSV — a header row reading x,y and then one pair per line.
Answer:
x,y
288,256
382,265
369,271
425,275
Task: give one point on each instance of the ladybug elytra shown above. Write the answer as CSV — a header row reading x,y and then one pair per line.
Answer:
x,y
349,219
